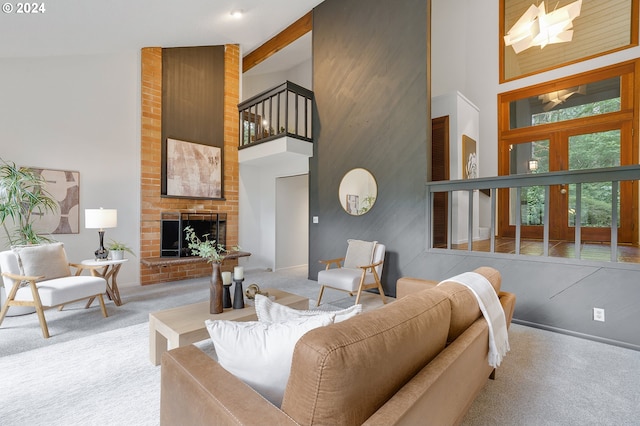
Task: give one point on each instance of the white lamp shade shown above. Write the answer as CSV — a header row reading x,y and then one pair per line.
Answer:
x,y
100,218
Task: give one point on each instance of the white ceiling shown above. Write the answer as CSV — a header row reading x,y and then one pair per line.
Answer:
x,y
82,27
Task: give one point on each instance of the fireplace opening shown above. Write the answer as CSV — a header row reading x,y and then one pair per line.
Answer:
x,y
172,236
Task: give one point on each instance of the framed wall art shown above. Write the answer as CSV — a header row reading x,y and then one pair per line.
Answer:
x,y
353,204
193,170
64,187
469,158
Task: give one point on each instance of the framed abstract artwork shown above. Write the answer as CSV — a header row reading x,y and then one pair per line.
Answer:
x,y
193,170
64,187
469,158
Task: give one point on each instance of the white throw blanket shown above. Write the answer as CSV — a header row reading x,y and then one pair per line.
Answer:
x,y
492,311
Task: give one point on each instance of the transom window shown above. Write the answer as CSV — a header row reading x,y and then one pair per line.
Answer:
x,y
568,103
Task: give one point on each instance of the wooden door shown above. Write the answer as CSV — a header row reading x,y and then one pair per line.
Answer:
x,y
440,171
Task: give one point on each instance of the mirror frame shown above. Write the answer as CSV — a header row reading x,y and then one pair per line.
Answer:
x,y
351,203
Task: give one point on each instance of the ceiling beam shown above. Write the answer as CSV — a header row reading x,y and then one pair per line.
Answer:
x,y
278,42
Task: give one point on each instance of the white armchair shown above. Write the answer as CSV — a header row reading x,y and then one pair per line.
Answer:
x,y
360,269
40,276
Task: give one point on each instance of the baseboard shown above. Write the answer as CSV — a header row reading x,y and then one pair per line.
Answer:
x,y
576,334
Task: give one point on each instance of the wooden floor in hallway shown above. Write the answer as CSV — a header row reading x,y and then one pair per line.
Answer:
x,y
562,249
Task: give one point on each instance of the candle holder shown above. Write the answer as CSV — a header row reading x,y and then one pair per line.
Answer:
x,y
238,294
226,296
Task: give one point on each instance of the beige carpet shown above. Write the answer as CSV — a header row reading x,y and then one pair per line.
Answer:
x,y
96,371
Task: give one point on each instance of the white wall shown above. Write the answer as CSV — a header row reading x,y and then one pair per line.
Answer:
x,y
258,210
301,74
80,113
463,120
292,221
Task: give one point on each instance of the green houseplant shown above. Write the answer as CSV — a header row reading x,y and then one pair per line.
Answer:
x,y
23,198
206,249
213,253
117,250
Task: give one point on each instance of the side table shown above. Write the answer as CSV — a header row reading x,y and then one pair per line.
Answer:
x,y
109,272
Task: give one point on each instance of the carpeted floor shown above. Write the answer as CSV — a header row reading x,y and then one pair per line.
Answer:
x,y
101,379
96,371
554,379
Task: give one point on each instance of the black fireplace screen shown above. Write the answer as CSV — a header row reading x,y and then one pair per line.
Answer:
x,y
172,235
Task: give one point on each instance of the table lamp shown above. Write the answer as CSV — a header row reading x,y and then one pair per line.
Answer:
x,y
101,219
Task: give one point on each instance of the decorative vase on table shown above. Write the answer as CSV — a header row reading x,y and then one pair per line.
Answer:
x,y
215,290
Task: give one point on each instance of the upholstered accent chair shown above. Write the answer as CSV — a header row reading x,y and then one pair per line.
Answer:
x,y
40,276
359,270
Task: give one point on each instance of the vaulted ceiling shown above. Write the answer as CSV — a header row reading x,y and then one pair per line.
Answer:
x,y
82,27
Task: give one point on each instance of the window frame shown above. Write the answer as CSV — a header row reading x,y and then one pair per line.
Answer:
x,y
629,112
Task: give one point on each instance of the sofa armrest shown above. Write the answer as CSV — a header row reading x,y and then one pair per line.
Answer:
x,y
508,302
196,390
408,285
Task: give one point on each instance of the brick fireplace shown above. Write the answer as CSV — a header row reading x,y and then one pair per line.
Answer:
x,y
152,202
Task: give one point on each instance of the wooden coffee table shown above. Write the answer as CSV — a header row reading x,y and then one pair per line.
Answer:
x,y
177,327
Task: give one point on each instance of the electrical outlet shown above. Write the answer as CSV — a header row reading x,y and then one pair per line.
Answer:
x,y
598,314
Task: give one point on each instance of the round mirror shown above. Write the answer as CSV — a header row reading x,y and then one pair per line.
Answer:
x,y
358,191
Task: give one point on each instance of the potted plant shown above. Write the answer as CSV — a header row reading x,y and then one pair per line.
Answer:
x,y
214,253
117,249
23,198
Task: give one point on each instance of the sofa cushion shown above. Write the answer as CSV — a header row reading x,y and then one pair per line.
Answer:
x,y
259,353
63,290
464,308
464,305
270,311
342,373
491,274
48,260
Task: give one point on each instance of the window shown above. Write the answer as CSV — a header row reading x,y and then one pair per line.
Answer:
x,y
577,123
602,27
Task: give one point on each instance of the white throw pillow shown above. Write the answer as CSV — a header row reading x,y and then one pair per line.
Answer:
x,y
270,311
48,260
359,253
260,353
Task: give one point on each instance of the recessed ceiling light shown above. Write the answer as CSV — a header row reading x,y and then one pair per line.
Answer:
x,y
237,13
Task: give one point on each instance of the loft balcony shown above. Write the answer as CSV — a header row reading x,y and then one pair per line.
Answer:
x,y
276,125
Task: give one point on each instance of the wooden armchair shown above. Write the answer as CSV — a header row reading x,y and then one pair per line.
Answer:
x,y
359,270
40,276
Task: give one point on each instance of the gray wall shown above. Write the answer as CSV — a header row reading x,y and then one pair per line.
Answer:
x,y
555,295
372,111
371,88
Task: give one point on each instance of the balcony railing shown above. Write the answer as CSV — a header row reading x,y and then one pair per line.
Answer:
x,y
285,110
516,183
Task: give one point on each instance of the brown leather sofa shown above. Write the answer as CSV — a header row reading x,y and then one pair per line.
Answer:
x,y
419,360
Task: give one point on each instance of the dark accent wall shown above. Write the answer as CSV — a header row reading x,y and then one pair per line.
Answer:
x,y
192,97
370,81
